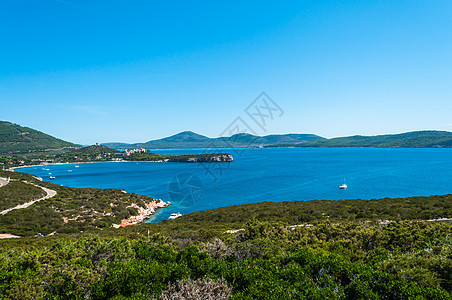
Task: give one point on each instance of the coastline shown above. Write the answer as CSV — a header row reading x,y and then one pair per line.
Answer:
x,y
110,161
144,214
62,163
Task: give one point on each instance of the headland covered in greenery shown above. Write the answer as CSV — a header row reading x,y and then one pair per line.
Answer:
x,y
415,139
350,249
100,153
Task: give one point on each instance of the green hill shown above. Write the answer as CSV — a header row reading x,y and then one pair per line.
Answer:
x,y
15,139
415,139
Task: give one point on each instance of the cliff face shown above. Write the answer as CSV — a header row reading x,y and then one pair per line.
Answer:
x,y
207,158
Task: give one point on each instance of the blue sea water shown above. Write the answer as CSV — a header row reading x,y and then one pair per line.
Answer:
x,y
277,175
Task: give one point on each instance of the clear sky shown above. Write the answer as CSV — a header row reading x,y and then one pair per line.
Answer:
x,y
132,71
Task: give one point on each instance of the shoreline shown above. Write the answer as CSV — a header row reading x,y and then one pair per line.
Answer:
x,y
61,163
144,214
95,162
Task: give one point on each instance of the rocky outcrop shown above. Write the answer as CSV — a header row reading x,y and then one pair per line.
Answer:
x,y
143,213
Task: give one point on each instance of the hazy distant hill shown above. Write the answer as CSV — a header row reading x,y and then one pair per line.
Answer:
x,y
415,139
15,139
188,139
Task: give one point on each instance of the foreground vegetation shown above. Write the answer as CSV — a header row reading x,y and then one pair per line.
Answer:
x,y
402,260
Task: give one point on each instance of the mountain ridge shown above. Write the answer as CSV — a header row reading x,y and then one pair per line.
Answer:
x,y
412,139
190,139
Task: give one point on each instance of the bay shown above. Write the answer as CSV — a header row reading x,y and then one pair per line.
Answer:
x,y
275,174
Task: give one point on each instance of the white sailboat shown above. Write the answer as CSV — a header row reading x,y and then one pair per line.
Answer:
x,y
343,186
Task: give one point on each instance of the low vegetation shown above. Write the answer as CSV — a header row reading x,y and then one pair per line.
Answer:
x,y
300,212
402,260
18,192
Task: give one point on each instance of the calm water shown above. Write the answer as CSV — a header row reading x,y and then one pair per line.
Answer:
x,y
269,175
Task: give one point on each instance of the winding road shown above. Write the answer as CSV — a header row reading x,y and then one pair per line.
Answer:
x,y
50,194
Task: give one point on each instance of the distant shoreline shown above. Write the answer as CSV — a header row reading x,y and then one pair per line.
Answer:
x,y
95,162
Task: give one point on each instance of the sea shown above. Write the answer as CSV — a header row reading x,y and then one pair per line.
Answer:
x,y
268,174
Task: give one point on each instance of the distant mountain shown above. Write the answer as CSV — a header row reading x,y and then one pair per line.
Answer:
x,y
15,139
189,139
186,139
415,139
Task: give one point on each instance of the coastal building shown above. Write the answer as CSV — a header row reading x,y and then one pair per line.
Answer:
x,y
130,151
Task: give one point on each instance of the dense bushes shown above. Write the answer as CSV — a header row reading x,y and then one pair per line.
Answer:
x,y
266,261
299,212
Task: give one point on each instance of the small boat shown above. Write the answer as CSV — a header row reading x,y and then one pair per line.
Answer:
x,y
343,186
77,166
69,171
174,216
52,177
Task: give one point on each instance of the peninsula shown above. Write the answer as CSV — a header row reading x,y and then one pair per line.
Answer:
x,y
100,153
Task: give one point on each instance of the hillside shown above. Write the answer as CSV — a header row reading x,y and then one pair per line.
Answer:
x,y
415,139
15,139
71,210
188,139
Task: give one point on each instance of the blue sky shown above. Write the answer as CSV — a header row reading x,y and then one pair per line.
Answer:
x,y
132,71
